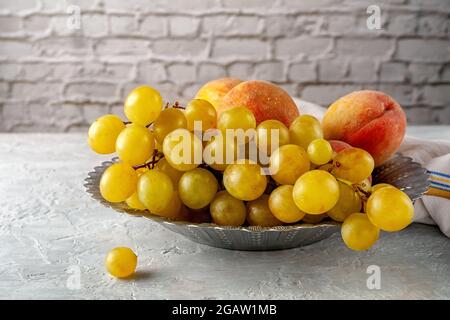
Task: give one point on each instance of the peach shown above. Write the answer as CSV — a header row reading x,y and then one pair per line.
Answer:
x,y
264,99
366,119
214,91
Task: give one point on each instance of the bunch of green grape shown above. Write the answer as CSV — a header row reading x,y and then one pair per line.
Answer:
x,y
167,168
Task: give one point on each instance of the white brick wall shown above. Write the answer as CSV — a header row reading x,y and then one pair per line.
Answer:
x,y
53,78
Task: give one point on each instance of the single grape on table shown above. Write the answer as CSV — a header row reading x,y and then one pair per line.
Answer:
x,y
121,262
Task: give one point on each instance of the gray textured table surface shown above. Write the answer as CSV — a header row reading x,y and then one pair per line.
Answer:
x,y
50,229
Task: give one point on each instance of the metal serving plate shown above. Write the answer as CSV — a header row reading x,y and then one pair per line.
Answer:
x,y
399,171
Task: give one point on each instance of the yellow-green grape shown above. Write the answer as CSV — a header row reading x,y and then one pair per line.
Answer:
x,y
201,110
118,182
259,214
174,210
380,185
155,190
143,105
227,210
164,166
390,209
134,203
197,188
135,144
264,132
219,152
282,205
103,133
169,120
358,232
316,192
121,262
288,163
314,218
304,129
320,151
353,164
348,203
183,150
236,118
244,180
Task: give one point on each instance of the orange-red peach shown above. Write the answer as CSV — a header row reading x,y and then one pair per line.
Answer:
x,y
214,91
367,119
264,99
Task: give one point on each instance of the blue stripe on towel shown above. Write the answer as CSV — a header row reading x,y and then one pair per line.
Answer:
x,y
441,186
439,174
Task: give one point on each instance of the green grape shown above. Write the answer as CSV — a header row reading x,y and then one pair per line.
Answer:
x,y
264,132
135,144
288,163
134,203
201,110
316,192
259,214
174,210
164,166
169,120
155,190
353,164
304,129
118,182
143,105
236,118
183,150
197,188
244,181
282,205
220,151
379,186
227,210
348,203
121,262
314,218
103,133
390,209
320,151
358,232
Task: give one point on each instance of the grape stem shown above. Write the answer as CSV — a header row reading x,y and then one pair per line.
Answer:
x,y
365,194
151,164
176,105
